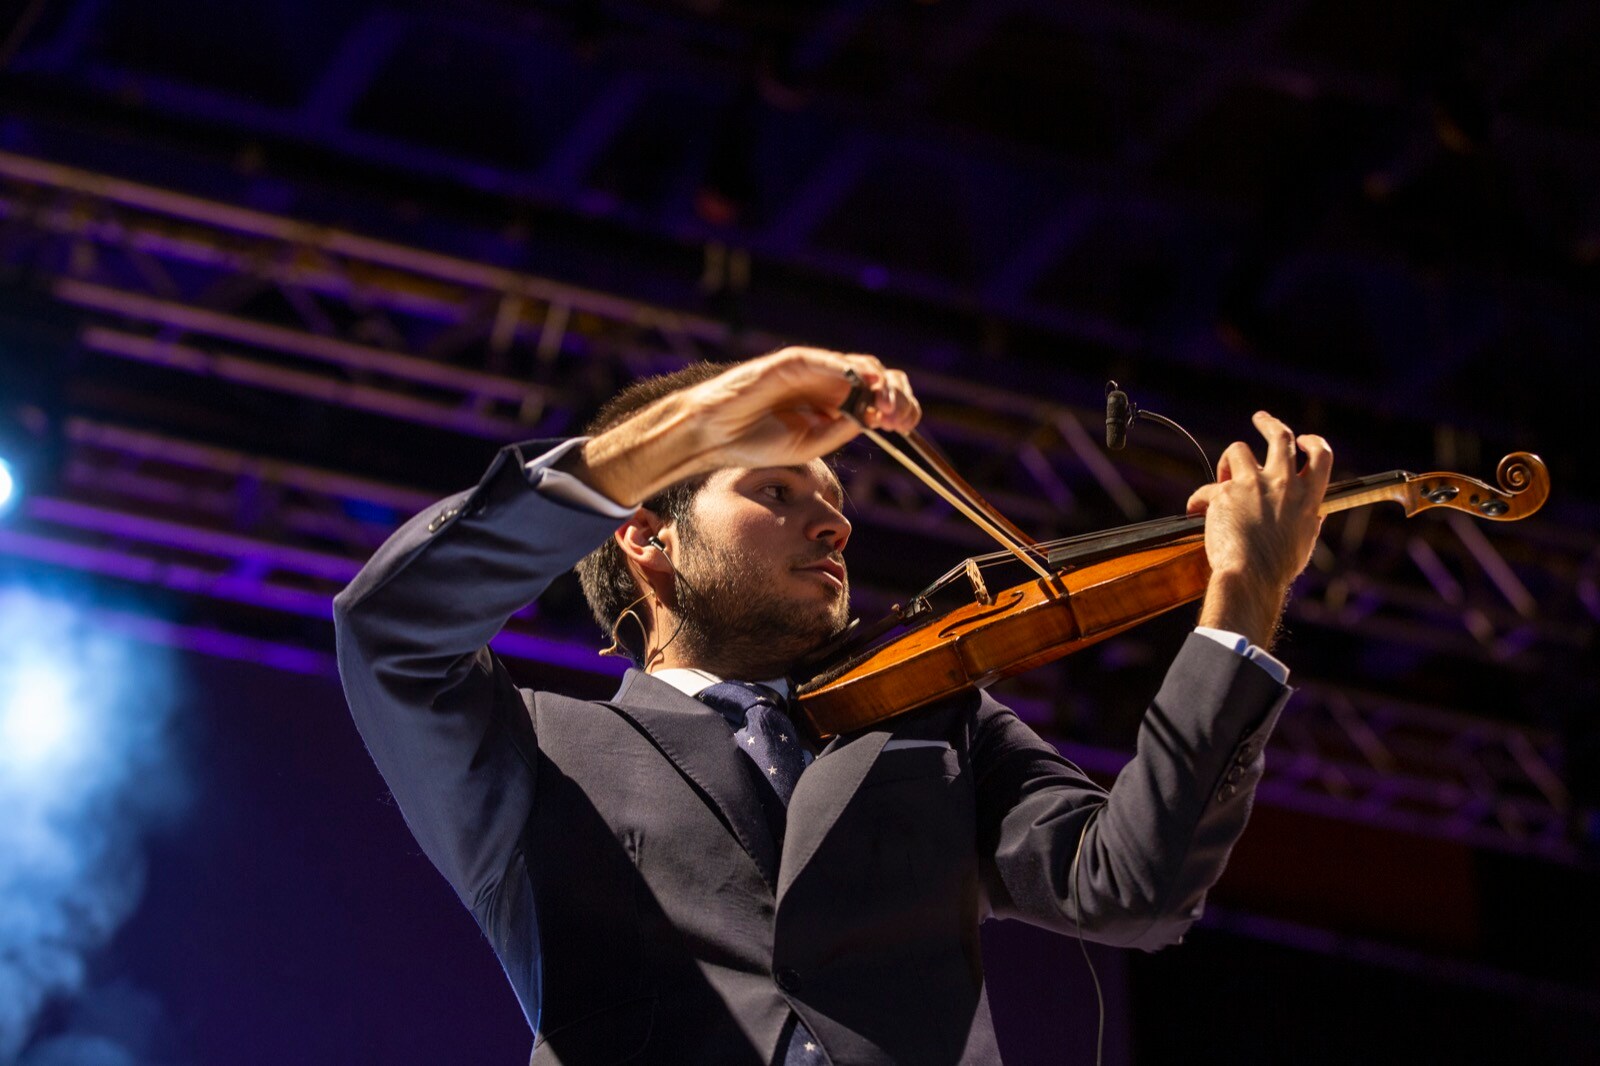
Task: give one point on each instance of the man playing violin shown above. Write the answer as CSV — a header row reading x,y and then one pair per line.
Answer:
x,y
676,874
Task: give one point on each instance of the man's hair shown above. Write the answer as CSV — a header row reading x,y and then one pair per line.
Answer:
x,y
607,584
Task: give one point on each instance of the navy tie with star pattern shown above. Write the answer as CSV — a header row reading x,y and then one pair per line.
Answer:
x,y
764,732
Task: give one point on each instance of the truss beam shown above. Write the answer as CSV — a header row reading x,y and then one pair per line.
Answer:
x,y
423,338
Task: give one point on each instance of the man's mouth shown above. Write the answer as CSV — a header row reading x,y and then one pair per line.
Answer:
x,y
829,568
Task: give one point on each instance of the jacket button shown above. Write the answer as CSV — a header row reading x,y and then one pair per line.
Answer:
x,y
788,980
1226,792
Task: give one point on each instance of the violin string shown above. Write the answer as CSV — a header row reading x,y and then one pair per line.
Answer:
x,y
1156,526
1151,528
1150,531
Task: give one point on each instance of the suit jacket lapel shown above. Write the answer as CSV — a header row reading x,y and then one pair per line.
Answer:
x,y
697,741
825,789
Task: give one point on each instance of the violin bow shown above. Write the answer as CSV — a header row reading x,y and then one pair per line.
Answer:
x,y
953,488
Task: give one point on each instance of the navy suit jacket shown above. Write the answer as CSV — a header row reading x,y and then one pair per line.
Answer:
x,y
619,857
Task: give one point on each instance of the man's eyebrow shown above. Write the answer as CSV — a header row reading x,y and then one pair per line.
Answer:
x,y
803,471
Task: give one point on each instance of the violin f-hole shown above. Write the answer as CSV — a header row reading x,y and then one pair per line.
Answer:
x,y
1012,598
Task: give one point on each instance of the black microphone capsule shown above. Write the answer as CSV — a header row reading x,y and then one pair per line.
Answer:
x,y
1117,419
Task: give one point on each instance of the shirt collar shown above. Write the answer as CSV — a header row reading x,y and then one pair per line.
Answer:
x,y
692,682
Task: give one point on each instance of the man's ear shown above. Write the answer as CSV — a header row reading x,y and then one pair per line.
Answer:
x,y
638,539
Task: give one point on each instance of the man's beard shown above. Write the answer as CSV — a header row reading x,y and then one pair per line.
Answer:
x,y
733,624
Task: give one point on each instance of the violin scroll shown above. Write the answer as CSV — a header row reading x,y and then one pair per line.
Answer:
x,y
1524,485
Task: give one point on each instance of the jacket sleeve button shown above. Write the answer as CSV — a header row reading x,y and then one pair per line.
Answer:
x,y
788,980
442,517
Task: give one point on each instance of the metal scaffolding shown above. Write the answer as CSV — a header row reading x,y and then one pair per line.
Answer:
x,y
415,337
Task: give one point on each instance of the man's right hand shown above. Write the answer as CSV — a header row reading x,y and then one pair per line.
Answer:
x,y
782,409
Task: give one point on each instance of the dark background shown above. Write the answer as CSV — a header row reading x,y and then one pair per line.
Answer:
x,y
1380,221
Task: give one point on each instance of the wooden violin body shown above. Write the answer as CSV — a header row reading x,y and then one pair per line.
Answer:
x,y
1100,585
1026,626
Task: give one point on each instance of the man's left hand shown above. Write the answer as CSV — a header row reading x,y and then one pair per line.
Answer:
x,y
1262,522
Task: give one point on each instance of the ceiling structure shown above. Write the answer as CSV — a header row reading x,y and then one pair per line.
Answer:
x,y
276,279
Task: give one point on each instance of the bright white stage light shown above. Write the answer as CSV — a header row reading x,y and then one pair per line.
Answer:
x,y
88,770
8,486
37,723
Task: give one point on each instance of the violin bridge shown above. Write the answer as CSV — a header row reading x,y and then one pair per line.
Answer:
x,y
979,589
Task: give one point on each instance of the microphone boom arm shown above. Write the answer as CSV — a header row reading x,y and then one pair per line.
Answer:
x,y
1122,412
1165,421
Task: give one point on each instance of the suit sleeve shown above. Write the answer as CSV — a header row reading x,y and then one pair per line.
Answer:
x,y
1156,843
448,729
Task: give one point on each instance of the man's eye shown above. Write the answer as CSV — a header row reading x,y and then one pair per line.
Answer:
x,y
776,492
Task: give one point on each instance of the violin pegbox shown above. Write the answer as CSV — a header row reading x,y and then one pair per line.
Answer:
x,y
1524,485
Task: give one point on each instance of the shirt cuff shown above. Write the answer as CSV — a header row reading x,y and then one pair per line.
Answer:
x,y
1240,646
561,485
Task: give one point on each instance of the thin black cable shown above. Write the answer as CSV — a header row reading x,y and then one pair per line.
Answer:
x,y
1170,424
1075,904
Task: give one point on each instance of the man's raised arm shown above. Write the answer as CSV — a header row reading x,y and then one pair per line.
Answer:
x,y
444,722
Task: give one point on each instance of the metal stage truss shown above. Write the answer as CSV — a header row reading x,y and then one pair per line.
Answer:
x,y
170,281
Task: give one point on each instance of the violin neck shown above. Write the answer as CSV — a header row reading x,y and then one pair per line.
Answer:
x,y
1363,491
1340,496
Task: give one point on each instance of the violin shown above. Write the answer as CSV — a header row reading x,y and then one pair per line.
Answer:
x,y
1082,589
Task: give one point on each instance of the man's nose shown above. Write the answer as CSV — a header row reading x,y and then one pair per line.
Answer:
x,y
830,526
